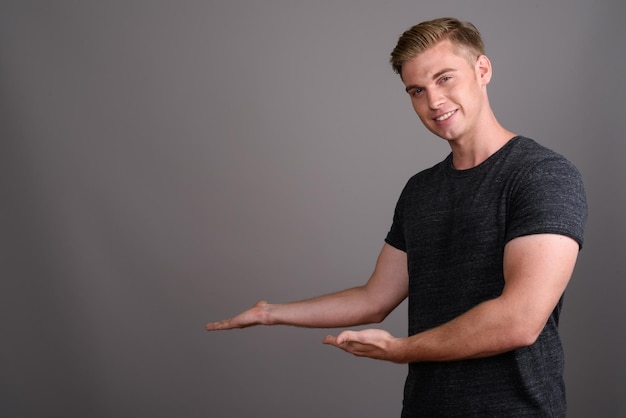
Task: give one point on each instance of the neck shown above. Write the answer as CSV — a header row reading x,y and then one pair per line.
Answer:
x,y
476,148
466,158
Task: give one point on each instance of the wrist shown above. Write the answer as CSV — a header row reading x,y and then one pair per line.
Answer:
x,y
269,313
399,351
264,313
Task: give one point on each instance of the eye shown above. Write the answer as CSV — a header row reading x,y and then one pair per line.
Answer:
x,y
445,79
415,91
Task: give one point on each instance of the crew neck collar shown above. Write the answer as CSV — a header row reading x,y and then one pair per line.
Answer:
x,y
488,162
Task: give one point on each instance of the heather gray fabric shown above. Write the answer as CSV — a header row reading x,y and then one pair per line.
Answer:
x,y
454,226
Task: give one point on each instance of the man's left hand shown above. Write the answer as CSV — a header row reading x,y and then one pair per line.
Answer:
x,y
373,343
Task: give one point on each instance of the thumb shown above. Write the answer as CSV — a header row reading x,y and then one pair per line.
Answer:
x,y
346,337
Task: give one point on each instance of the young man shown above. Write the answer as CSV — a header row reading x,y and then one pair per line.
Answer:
x,y
483,244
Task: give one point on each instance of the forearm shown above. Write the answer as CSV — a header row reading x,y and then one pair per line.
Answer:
x,y
346,308
488,329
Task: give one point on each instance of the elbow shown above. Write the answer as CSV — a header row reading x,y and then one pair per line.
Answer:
x,y
524,334
376,316
527,339
375,310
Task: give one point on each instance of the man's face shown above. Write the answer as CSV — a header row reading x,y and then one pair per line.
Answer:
x,y
448,93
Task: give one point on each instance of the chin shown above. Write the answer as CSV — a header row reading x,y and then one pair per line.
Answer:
x,y
447,136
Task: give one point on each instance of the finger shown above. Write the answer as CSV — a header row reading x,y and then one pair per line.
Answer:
x,y
330,339
218,326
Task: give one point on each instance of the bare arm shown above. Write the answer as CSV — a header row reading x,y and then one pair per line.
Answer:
x,y
370,303
537,269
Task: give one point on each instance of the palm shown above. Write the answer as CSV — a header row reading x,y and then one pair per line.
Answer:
x,y
372,343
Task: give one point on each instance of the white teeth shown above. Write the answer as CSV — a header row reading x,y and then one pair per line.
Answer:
x,y
444,116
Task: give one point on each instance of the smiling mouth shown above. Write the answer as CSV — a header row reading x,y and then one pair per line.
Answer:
x,y
445,116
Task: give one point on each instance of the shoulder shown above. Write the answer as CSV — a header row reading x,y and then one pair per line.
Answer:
x,y
527,149
530,158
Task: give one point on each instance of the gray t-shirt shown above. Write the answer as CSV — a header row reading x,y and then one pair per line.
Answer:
x,y
453,225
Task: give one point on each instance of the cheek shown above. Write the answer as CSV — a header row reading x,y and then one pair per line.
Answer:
x,y
419,108
423,118
415,106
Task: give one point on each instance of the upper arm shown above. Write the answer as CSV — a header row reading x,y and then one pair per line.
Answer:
x,y
537,269
389,284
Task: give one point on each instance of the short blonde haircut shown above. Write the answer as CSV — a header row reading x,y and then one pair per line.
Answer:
x,y
427,34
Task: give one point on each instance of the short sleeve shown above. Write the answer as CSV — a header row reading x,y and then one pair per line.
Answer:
x,y
395,238
549,199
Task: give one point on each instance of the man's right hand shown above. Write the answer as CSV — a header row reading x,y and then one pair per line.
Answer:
x,y
256,315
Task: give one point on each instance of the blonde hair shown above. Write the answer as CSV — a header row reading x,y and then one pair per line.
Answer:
x,y
426,34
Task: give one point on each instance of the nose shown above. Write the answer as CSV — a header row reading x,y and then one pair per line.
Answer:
x,y
435,99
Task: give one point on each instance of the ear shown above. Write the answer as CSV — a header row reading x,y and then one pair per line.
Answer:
x,y
483,69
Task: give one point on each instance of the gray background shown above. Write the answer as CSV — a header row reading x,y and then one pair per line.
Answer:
x,y
164,164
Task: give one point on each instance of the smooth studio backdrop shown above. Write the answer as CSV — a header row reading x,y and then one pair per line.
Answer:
x,y
168,163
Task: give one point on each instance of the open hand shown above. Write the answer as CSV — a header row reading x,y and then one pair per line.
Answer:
x,y
254,316
372,343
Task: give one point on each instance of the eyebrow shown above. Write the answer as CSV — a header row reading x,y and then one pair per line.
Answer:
x,y
436,75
